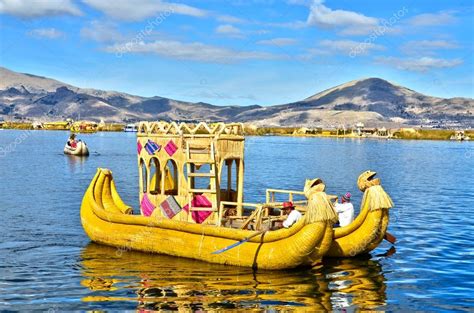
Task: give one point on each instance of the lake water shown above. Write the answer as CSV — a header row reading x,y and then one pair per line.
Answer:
x,y
48,263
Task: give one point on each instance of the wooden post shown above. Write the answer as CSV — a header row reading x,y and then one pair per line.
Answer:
x,y
240,186
229,178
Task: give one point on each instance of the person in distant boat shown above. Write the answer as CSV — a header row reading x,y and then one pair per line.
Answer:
x,y
345,210
293,215
72,142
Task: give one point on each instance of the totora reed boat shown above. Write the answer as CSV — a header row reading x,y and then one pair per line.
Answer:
x,y
191,205
80,149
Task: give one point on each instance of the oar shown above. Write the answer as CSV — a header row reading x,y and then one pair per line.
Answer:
x,y
238,243
390,238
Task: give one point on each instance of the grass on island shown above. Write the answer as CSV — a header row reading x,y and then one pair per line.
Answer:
x,y
113,127
430,134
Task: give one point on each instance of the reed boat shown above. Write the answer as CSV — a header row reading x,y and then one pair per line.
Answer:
x,y
87,127
80,149
369,228
184,217
107,220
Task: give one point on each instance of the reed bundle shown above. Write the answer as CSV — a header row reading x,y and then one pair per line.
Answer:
x,y
319,208
377,198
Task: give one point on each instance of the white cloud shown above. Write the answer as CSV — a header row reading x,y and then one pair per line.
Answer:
x,y
101,32
290,25
195,51
32,9
229,30
350,22
49,33
141,9
278,42
427,46
229,19
344,47
433,19
299,2
422,64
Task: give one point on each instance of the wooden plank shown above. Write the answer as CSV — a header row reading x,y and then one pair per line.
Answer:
x,y
202,190
210,174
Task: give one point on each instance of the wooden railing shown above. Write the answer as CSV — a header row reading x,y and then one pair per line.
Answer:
x,y
270,194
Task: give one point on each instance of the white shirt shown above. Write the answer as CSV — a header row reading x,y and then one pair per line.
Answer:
x,y
292,218
345,212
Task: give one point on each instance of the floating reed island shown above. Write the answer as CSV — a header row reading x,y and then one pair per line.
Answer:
x,y
357,131
191,180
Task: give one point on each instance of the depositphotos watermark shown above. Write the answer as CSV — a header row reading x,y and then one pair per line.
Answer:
x,y
126,47
11,147
377,32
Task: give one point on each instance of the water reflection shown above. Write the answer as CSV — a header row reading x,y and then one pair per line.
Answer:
x,y
75,163
148,281
357,283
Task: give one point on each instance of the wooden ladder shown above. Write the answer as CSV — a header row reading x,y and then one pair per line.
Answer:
x,y
201,155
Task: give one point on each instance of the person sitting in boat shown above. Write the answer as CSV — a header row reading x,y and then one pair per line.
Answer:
x,y
345,210
293,215
72,142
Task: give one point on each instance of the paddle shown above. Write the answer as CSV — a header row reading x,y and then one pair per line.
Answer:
x,y
390,238
238,243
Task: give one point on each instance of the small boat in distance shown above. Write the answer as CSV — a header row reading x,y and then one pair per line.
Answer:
x,y
130,128
80,150
75,147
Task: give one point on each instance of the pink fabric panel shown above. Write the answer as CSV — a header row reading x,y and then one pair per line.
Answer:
x,y
199,201
171,148
139,146
147,206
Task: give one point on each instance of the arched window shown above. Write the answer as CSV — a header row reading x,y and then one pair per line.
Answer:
x,y
171,178
143,176
155,176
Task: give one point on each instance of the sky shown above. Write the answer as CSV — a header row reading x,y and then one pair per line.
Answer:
x,y
241,52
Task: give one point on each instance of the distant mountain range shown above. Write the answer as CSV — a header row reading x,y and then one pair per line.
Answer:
x,y
373,101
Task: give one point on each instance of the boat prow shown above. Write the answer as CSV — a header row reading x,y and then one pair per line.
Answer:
x,y
367,231
80,150
107,220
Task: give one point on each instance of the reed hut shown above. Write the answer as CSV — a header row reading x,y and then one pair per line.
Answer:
x,y
194,166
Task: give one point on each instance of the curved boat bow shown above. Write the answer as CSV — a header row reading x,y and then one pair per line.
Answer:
x,y
368,229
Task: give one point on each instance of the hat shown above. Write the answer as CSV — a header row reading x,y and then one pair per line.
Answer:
x,y
347,196
288,205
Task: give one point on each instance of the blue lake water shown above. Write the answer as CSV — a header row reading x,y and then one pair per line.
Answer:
x,y
48,263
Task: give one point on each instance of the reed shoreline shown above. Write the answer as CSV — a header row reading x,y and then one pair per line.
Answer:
x,y
251,130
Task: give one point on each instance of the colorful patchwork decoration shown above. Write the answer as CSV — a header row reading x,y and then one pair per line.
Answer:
x,y
147,206
170,207
199,201
139,146
151,147
171,148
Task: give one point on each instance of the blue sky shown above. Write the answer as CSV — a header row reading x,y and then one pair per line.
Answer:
x,y
241,52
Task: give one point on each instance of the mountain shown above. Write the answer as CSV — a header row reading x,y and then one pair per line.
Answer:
x,y
373,101
36,97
